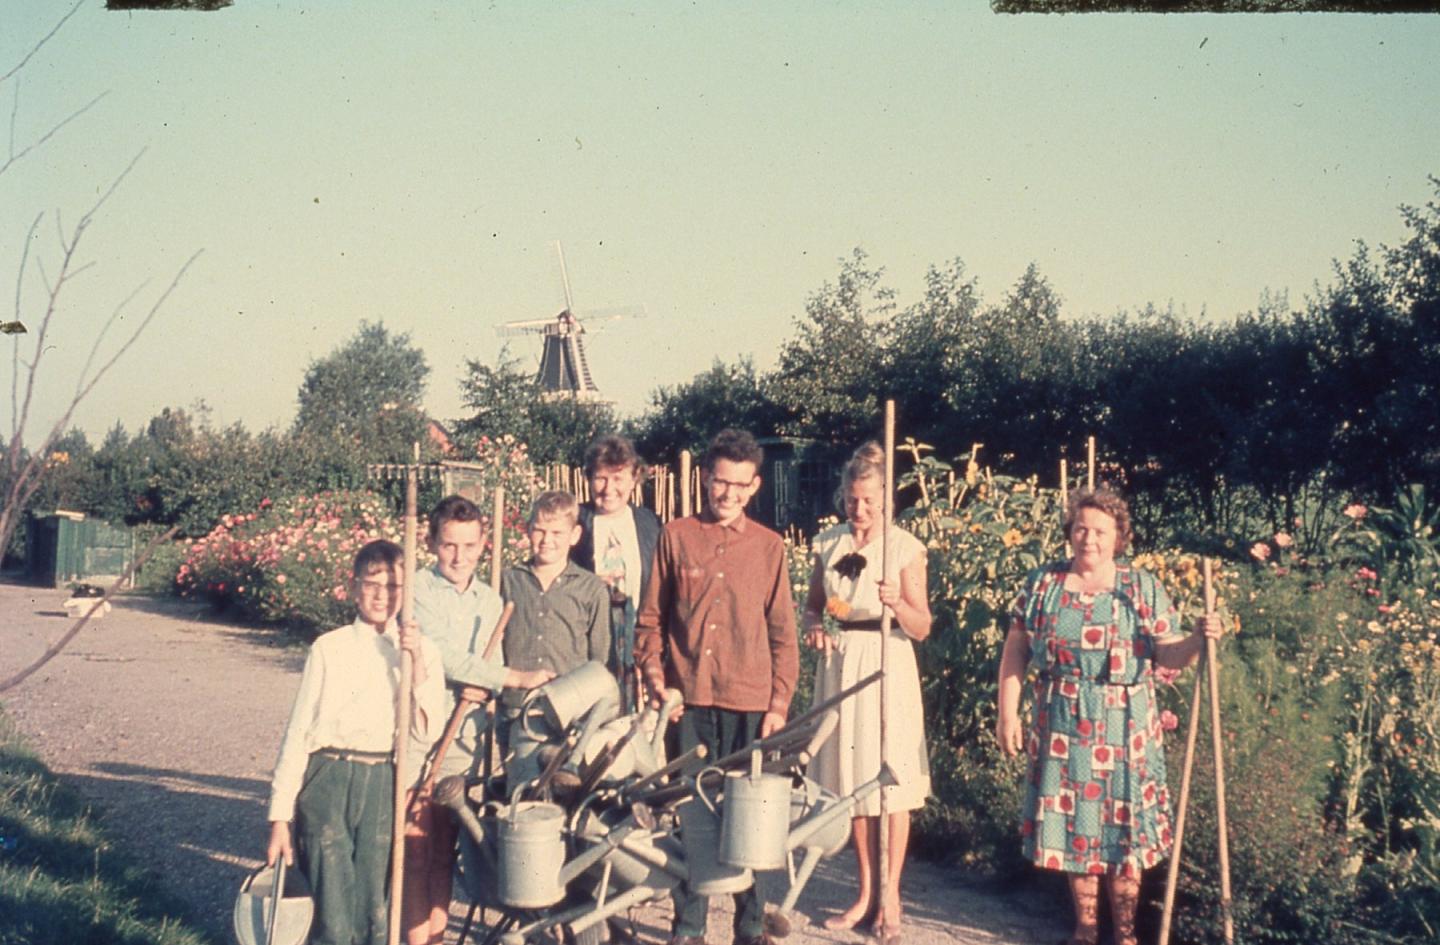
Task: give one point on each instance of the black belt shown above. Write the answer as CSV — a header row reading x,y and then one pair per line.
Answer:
x,y
873,624
359,757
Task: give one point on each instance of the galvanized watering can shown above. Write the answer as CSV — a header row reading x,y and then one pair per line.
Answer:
x,y
263,918
754,817
700,834
530,850
566,698
640,756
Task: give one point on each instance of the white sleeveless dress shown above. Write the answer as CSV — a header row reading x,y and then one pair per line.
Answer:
x,y
852,755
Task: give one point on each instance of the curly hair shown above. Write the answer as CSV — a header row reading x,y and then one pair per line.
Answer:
x,y
1106,500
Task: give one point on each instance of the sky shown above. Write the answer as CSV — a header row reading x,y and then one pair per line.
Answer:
x,y
412,162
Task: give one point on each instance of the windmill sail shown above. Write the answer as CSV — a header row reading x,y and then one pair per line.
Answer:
x,y
564,370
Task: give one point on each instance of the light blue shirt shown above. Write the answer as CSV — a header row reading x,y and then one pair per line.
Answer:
x,y
459,623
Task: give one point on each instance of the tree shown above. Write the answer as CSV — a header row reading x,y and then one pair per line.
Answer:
x,y
362,402
687,415
506,398
22,466
827,379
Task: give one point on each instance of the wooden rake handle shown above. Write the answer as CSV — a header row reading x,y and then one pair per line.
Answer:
x,y
470,698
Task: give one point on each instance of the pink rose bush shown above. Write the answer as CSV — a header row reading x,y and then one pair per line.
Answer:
x,y
289,561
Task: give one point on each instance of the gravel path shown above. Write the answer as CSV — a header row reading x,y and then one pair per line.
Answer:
x,y
169,719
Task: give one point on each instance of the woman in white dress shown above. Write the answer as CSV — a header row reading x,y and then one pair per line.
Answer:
x,y
847,582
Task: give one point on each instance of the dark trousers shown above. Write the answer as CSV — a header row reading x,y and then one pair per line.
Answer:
x,y
343,817
722,732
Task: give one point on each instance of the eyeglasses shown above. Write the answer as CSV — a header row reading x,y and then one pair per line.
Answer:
x,y
376,588
726,484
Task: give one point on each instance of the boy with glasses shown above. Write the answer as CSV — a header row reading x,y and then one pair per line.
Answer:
x,y
717,622
335,774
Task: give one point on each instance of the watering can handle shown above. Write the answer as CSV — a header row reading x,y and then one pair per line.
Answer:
x,y
276,894
700,787
525,713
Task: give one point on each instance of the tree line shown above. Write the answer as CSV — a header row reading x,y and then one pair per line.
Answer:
x,y
1209,424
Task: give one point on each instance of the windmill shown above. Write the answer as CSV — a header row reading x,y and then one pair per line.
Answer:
x,y
564,370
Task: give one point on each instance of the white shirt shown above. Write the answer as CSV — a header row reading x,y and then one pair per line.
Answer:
x,y
347,700
619,527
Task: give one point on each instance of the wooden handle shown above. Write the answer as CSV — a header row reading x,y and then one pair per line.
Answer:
x,y
1217,739
402,711
497,538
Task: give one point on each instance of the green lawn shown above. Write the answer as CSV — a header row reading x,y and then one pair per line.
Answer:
x,y
61,878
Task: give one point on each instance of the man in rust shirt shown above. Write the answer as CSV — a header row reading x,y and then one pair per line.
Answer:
x,y
717,622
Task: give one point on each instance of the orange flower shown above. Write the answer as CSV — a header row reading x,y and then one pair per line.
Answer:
x,y
837,608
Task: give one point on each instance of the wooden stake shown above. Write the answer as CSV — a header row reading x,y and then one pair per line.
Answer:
x,y
1217,739
497,539
886,618
402,711
1172,871
1064,487
686,497
1090,464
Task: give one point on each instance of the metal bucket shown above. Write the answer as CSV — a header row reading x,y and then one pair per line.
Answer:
x,y
531,852
261,919
755,821
700,833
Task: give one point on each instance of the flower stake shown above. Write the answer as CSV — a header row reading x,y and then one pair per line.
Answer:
x,y
1172,873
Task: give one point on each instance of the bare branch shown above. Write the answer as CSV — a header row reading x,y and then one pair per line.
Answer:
x,y
105,330
144,323
68,248
17,155
15,348
43,40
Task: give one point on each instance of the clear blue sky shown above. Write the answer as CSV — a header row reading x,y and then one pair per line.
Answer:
x,y
410,162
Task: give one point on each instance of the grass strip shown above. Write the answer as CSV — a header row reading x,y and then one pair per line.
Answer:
x,y
61,877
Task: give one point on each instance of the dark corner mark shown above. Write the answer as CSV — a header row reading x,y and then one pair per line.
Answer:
x,y
1215,6
202,5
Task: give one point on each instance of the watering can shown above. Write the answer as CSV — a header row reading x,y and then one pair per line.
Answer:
x,y
530,849
642,755
263,918
821,828
566,698
700,834
755,816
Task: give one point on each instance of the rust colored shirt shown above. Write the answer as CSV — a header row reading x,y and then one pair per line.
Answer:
x,y
717,619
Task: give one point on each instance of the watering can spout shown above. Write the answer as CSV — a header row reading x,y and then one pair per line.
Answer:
x,y
827,815
450,792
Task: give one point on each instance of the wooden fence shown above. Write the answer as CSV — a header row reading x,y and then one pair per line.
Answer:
x,y
669,492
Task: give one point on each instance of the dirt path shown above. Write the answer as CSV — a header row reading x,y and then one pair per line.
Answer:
x,y
169,721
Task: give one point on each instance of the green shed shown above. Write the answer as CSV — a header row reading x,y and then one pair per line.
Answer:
x,y
67,546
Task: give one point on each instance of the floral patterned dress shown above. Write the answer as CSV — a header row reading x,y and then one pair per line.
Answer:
x,y
1095,799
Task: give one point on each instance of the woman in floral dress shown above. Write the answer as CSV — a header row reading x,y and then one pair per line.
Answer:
x,y
1094,629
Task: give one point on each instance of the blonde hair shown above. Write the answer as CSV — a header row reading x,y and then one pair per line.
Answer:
x,y
867,462
558,504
